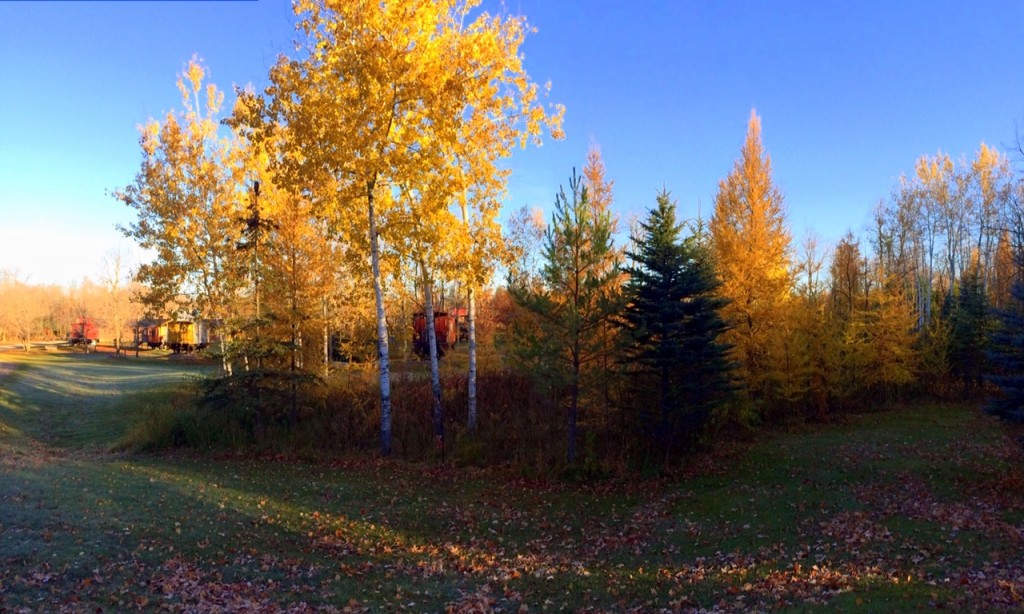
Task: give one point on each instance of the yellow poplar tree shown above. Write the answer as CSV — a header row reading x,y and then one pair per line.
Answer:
x,y
482,245
428,237
387,96
188,197
993,175
492,106
751,246
1005,273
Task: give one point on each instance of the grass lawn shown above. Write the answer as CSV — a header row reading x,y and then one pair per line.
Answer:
x,y
914,509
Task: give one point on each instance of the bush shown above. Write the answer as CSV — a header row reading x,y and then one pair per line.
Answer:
x,y
167,419
521,423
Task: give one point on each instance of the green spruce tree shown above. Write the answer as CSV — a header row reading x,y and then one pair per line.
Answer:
x,y
968,339
673,320
1006,359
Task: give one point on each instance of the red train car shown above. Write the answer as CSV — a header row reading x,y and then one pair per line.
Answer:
x,y
446,328
84,331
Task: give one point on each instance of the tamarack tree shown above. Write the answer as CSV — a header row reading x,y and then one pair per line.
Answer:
x,y
751,247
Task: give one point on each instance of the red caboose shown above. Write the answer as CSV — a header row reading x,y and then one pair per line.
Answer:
x,y
446,328
84,330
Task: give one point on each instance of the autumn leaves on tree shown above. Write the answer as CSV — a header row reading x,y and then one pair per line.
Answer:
x,y
386,133
751,247
377,151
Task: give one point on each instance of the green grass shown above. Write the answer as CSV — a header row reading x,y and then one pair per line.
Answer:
x,y
916,508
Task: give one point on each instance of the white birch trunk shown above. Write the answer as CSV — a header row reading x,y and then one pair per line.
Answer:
x,y
224,362
471,325
327,344
382,330
471,380
435,376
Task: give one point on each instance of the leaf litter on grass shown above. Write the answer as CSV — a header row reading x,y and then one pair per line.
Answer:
x,y
897,517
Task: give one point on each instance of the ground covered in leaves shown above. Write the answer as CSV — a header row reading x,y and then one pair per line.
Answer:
x,y
909,509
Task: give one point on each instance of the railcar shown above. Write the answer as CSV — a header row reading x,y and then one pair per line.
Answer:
x,y
84,331
151,332
187,335
446,329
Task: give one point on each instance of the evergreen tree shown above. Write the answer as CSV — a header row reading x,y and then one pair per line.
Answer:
x,y
578,294
880,349
968,338
1006,359
674,325
811,358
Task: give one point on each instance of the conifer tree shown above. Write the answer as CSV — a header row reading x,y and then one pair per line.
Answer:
x,y
881,353
578,294
1006,359
751,247
674,326
968,339
811,355
600,196
811,347
847,279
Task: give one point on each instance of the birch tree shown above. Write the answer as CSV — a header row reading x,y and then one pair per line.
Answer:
x,y
387,93
187,198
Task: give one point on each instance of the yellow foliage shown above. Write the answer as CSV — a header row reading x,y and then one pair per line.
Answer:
x,y
751,246
880,343
420,99
185,194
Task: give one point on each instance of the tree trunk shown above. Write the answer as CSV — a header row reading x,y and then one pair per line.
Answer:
x,y
471,380
435,376
471,325
225,363
295,363
327,344
574,401
382,330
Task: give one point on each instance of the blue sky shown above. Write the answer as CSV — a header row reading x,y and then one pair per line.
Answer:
x,y
849,93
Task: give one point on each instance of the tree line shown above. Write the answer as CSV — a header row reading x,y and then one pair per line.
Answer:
x,y
45,312
365,183
724,322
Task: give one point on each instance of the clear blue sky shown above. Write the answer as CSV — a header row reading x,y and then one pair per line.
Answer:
x,y
850,94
